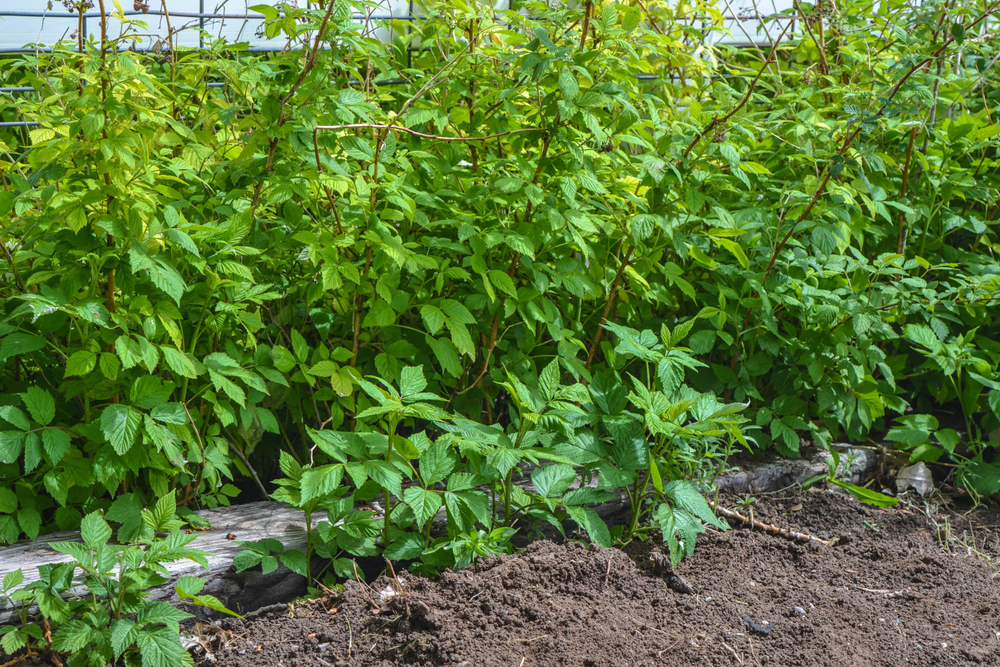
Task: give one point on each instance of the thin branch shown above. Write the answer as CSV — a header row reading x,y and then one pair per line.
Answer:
x,y
613,292
753,84
822,51
901,238
415,133
13,267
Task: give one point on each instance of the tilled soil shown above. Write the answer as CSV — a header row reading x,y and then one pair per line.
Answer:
x,y
890,593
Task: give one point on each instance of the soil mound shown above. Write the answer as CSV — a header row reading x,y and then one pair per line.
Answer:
x,y
890,593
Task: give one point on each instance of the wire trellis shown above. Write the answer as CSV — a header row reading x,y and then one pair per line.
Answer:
x,y
200,18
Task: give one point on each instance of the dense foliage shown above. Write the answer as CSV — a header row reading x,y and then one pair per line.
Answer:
x,y
384,274
116,622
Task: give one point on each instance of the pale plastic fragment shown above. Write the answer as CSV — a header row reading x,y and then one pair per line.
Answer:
x,y
918,476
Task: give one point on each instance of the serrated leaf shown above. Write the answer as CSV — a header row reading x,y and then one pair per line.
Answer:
x,y
94,530
13,579
124,634
424,504
8,501
588,519
57,444
40,405
20,343
552,481
80,362
685,494
411,380
120,425
30,521
109,365
179,362
568,85
244,560
15,417
160,647
71,636
295,561
504,459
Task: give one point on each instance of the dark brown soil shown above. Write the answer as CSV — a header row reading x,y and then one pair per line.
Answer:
x,y
897,590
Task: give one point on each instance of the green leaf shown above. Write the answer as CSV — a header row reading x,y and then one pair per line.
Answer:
x,y
433,318
379,315
295,561
321,481
71,636
503,282
30,521
552,481
548,380
437,462
424,504
156,611
178,362
94,530
244,560
867,495
654,475
685,494
983,478
15,417
80,362
120,425
587,518
20,343
8,501
13,579
385,475
504,459
124,634
411,380
160,647
568,85
149,391
405,546
109,365
57,444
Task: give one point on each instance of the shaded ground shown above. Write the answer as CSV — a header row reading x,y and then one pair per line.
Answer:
x,y
897,590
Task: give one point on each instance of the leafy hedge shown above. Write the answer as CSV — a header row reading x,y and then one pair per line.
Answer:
x,y
578,238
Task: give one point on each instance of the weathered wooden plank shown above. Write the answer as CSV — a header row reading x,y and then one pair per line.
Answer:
x,y
249,590
857,466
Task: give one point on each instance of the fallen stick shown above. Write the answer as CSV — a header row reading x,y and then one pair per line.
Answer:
x,y
768,528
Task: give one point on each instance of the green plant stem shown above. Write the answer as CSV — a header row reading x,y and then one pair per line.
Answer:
x,y
387,520
309,545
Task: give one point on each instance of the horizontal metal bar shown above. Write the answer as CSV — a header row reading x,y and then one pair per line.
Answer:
x,y
182,15
18,123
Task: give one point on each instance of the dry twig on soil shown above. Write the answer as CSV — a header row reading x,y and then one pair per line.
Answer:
x,y
768,528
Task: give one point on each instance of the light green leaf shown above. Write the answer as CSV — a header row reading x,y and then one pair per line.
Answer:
x,y
424,504
80,362
120,425
160,647
94,530
411,380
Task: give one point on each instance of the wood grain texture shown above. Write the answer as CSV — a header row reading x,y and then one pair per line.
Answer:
x,y
249,590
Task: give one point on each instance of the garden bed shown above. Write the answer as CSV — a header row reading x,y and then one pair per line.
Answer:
x,y
897,589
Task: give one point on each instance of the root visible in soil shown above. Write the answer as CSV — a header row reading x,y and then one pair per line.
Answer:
x,y
768,528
